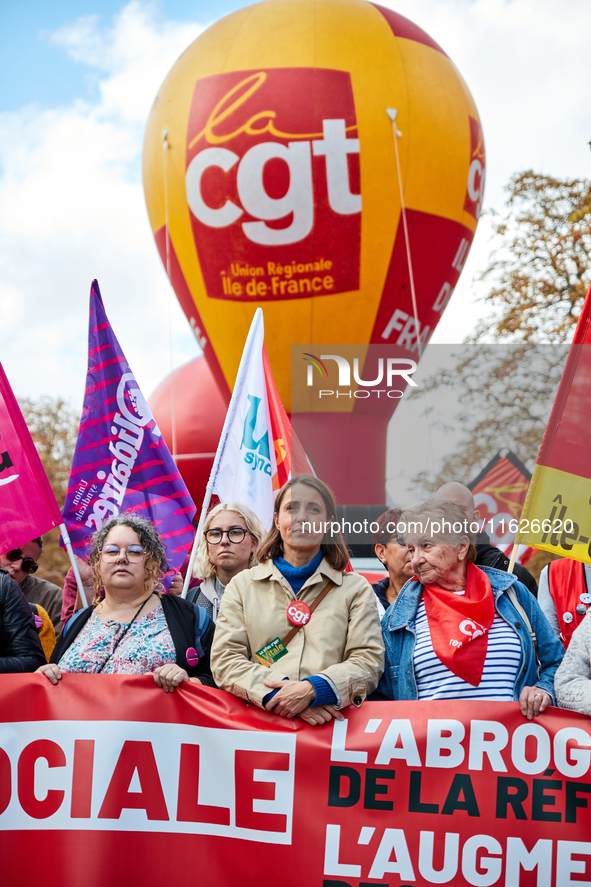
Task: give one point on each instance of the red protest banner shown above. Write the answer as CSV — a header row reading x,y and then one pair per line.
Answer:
x,y
27,504
557,509
107,780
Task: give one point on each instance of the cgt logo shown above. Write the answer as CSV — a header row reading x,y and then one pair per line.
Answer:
x,y
387,370
298,202
272,182
476,173
472,629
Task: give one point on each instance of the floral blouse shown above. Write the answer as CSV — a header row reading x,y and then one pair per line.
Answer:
x,y
145,646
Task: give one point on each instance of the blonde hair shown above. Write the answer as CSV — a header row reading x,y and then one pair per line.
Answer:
x,y
203,567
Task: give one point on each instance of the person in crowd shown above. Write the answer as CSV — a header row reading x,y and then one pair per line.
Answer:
x,y
487,555
297,635
21,563
231,535
460,631
20,647
564,595
394,555
134,629
71,598
572,683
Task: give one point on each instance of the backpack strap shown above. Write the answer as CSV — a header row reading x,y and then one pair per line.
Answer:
x,y
186,623
518,606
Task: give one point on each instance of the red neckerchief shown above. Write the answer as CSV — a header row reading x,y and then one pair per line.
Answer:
x,y
456,621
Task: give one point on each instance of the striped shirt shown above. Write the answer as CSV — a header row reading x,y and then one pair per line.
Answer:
x,y
436,681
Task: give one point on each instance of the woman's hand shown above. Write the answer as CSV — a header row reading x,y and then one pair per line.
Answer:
x,y
51,671
320,714
176,586
170,676
533,701
292,699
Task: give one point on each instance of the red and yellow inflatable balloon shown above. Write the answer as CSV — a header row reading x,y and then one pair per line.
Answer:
x,y
278,184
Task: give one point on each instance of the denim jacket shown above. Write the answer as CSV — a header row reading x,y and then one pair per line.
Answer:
x,y
398,628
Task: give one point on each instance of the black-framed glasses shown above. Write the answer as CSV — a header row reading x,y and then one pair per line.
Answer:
x,y
234,534
29,565
134,553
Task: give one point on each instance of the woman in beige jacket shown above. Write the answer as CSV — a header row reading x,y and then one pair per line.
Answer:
x,y
336,655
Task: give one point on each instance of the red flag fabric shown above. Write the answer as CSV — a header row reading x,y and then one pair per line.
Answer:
x,y
557,512
499,493
290,455
456,621
27,504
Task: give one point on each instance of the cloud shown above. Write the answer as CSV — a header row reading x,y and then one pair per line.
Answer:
x,y
528,67
71,198
73,209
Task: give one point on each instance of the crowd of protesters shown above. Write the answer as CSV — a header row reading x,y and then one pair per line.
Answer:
x,y
281,620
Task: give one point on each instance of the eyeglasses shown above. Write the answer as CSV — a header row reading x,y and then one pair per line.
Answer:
x,y
29,565
234,534
134,553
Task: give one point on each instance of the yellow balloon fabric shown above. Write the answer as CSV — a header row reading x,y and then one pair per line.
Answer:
x,y
277,182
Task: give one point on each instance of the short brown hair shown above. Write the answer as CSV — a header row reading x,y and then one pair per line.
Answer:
x,y
335,551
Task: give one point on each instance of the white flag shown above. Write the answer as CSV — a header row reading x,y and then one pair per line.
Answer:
x,y
245,462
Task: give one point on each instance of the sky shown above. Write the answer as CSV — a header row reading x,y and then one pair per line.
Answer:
x,y
78,80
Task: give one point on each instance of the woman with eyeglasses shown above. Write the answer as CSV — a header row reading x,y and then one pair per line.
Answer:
x,y
231,536
299,634
134,629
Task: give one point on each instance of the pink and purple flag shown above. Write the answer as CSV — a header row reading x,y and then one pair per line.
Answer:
x,y
27,504
122,463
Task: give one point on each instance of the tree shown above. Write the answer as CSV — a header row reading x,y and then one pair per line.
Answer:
x,y
54,428
541,269
505,393
539,273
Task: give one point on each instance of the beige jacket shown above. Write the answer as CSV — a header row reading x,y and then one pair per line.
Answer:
x,y
342,642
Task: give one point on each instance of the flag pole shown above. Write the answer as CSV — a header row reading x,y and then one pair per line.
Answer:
x,y
510,568
232,407
70,551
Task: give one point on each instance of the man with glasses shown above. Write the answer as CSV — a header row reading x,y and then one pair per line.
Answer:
x,y
20,564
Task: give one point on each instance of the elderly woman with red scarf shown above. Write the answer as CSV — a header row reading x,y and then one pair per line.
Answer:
x,y
458,631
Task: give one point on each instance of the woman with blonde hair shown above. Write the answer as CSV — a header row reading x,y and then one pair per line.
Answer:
x,y
298,634
230,538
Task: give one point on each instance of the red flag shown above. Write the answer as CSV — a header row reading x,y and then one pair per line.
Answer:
x,y
499,493
557,512
27,504
290,455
